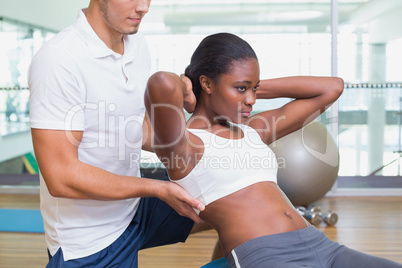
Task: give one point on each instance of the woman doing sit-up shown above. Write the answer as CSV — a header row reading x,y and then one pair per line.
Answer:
x,y
221,154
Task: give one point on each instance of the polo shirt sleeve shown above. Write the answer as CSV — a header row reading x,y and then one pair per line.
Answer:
x,y
57,97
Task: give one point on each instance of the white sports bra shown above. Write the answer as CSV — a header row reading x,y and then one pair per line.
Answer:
x,y
229,165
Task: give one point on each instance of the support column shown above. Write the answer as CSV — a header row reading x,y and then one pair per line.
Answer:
x,y
359,55
361,92
376,107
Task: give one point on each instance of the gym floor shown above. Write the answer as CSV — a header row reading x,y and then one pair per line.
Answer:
x,y
369,224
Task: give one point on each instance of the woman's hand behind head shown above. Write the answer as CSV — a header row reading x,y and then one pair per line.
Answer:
x,y
189,100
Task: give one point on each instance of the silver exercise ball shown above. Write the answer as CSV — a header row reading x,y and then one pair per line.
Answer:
x,y
308,162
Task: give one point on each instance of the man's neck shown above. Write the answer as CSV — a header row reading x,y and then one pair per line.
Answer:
x,y
112,39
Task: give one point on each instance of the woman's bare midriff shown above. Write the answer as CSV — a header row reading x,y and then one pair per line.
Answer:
x,y
257,210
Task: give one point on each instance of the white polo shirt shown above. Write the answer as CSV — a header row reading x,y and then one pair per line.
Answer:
x,y
78,83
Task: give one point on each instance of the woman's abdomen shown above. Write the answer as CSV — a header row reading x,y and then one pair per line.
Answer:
x,y
257,210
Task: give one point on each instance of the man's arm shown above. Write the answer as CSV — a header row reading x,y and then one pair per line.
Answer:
x,y
67,177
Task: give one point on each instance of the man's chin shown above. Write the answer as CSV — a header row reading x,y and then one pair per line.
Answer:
x,y
132,30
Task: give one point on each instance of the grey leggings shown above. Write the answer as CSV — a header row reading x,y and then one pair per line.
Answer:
x,y
307,247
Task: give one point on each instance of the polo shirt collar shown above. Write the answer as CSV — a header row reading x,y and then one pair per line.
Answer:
x,y
97,47
130,46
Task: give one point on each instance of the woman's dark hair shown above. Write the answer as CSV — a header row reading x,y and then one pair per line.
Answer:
x,y
215,56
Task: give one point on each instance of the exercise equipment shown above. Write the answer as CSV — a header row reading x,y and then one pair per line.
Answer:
x,y
21,220
308,162
30,163
312,216
315,216
219,263
329,217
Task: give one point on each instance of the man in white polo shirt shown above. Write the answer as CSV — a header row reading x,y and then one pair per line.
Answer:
x,y
87,119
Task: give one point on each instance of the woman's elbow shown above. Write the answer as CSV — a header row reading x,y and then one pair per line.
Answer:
x,y
338,86
333,89
161,82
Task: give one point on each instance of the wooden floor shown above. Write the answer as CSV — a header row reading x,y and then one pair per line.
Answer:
x,y
369,224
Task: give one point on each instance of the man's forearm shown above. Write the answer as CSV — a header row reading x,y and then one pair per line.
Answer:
x,y
84,181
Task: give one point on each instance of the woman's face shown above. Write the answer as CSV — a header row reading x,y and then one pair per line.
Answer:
x,y
234,95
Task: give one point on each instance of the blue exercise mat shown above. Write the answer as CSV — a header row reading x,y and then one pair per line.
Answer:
x,y
219,263
21,220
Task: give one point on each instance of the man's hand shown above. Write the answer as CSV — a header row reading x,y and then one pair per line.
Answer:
x,y
181,201
189,100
